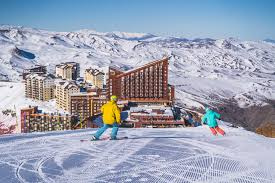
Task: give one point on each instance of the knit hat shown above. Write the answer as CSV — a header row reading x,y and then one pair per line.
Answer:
x,y
113,98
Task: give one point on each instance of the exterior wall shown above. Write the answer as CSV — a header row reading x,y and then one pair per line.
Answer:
x,y
39,88
80,106
145,84
145,118
45,122
171,93
68,73
96,79
88,77
59,72
62,95
76,71
24,115
96,104
85,106
99,80
113,87
69,70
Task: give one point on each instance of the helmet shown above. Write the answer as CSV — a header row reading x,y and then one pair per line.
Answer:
x,y
113,98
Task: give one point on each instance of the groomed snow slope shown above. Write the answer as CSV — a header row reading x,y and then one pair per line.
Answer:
x,y
149,155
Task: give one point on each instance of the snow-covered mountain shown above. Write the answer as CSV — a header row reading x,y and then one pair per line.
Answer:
x,y
148,155
270,41
203,70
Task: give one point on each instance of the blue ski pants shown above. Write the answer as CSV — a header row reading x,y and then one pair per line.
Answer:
x,y
101,130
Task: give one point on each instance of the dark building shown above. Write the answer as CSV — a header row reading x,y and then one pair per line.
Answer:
x,y
36,69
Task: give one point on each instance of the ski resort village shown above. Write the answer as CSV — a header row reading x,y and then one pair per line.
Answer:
x,y
145,97
119,107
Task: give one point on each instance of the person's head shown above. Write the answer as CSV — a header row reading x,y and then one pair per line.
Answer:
x,y
114,98
206,108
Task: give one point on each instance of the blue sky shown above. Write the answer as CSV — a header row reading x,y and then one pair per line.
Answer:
x,y
243,19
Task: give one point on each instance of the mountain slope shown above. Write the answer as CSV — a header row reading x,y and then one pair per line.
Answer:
x,y
204,71
149,155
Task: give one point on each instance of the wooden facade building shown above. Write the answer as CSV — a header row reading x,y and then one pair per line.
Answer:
x,y
146,84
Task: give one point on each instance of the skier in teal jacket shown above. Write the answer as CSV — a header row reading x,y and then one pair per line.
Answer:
x,y
210,117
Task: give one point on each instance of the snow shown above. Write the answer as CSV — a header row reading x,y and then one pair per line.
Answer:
x,y
204,71
228,68
149,155
12,97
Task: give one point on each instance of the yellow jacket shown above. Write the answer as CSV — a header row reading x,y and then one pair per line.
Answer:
x,y
111,113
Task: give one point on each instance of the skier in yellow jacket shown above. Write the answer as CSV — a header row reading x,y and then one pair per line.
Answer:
x,y
111,118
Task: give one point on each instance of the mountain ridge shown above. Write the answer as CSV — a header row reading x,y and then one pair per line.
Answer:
x,y
204,71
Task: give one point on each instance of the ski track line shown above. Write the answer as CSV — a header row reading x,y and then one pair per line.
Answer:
x,y
124,157
245,174
177,163
228,175
85,169
129,151
39,168
209,168
156,167
206,146
149,160
18,176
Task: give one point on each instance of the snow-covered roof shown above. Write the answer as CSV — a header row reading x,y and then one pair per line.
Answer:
x,y
39,76
94,72
66,64
152,110
84,94
148,64
67,84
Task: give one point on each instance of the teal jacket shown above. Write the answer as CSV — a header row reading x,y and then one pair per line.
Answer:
x,y
210,118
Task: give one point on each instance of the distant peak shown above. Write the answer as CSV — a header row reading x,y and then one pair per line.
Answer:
x,y
269,40
130,36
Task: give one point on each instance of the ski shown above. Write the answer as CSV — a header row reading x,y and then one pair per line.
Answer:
x,y
103,138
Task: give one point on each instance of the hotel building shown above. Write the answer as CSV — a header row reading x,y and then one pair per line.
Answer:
x,y
94,77
39,87
146,84
68,70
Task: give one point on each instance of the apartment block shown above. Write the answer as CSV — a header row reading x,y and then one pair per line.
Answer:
x,y
62,91
146,84
94,77
39,87
85,105
68,70
33,120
